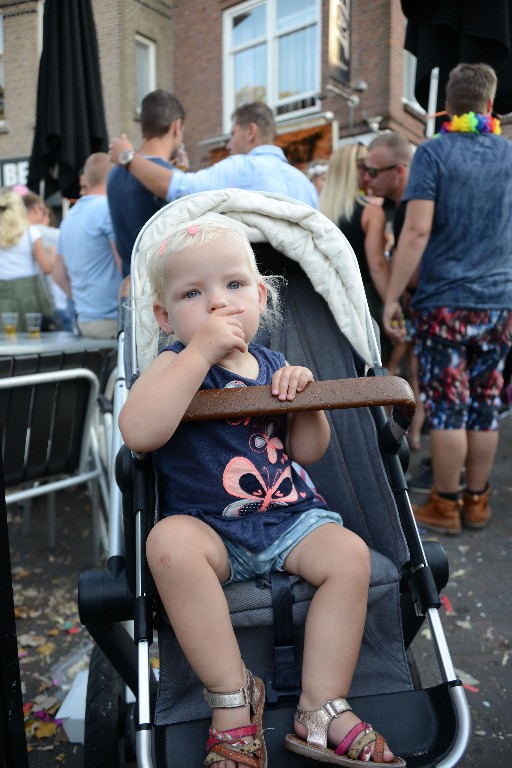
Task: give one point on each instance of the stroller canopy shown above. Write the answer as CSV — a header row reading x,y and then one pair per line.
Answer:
x,y
292,228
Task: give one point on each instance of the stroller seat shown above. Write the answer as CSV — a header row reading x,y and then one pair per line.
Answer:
x,y
382,664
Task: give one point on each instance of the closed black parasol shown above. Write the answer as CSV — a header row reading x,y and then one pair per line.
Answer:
x,y
444,33
70,119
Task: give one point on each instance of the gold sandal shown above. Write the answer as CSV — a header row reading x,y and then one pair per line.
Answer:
x,y
230,744
355,747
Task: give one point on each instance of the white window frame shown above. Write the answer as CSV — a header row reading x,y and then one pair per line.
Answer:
x,y
150,45
271,38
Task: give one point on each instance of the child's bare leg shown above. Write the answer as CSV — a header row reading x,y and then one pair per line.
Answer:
x,y
189,562
337,562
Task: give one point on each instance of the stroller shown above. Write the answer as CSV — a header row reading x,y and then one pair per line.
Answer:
x,y
327,327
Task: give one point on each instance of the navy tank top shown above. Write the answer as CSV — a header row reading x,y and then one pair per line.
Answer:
x,y
234,475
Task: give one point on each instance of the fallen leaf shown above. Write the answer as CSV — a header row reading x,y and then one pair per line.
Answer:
x,y
30,640
45,730
46,649
20,573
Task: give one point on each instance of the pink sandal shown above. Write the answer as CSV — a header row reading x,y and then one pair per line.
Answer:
x,y
230,744
355,748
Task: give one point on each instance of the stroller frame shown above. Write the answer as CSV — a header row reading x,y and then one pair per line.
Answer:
x,y
123,591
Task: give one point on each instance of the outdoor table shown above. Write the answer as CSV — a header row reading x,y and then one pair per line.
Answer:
x,y
57,350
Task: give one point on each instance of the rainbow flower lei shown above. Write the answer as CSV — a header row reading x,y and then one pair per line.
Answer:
x,y
472,123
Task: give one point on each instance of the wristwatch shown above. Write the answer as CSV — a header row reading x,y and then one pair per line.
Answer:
x,y
125,157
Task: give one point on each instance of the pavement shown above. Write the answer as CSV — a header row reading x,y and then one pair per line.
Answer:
x,y
477,612
477,618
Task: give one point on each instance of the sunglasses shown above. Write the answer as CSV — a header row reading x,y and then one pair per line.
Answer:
x,y
374,172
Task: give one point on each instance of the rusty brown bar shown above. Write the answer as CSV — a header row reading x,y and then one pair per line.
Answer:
x,y
318,395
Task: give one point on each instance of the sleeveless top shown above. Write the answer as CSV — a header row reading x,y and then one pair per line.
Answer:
x,y
234,475
353,230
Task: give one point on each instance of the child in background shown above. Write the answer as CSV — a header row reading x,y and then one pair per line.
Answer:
x,y
39,213
235,509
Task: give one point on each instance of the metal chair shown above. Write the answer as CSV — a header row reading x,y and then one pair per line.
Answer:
x,y
47,432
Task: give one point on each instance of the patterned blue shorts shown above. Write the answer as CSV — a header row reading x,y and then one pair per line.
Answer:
x,y
461,354
247,565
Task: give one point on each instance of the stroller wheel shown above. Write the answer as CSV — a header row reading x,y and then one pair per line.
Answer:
x,y
106,716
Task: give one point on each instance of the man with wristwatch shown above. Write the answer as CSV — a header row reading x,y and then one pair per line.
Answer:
x,y
255,163
132,204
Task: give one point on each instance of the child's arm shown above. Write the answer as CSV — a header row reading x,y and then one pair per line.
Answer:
x,y
162,394
308,432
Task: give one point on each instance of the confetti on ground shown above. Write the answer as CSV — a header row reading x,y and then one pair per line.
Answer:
x,y
466,624
447,604
466,677
30,640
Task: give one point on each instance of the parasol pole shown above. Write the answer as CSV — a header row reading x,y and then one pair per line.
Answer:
x,y
432,103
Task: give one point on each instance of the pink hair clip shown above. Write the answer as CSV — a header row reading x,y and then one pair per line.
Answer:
x,y
193,229
162,247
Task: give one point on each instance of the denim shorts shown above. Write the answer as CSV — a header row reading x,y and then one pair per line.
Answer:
x,y
247,565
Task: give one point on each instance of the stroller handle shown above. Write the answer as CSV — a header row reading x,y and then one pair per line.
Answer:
x,y
318,395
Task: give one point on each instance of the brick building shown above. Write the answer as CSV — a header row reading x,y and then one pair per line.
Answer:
x,y
135,40
330,69
310,60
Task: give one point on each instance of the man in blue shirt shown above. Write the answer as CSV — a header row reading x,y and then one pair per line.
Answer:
x,y
255,163
130,203
87,264
458,231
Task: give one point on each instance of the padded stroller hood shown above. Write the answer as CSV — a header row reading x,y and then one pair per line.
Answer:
x,y
295,229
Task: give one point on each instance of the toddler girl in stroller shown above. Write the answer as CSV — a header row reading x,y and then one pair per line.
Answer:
x,y
235,508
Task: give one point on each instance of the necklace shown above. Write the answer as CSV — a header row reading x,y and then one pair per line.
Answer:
x,y
470,122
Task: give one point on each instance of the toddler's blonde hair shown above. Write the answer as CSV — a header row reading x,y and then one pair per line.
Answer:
x,y
196,234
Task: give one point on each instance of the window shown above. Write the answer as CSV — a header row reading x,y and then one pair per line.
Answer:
x,y
145,58
272,54
2,78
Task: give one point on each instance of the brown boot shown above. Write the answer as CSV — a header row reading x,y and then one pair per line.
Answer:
x,y
476,510
438,514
